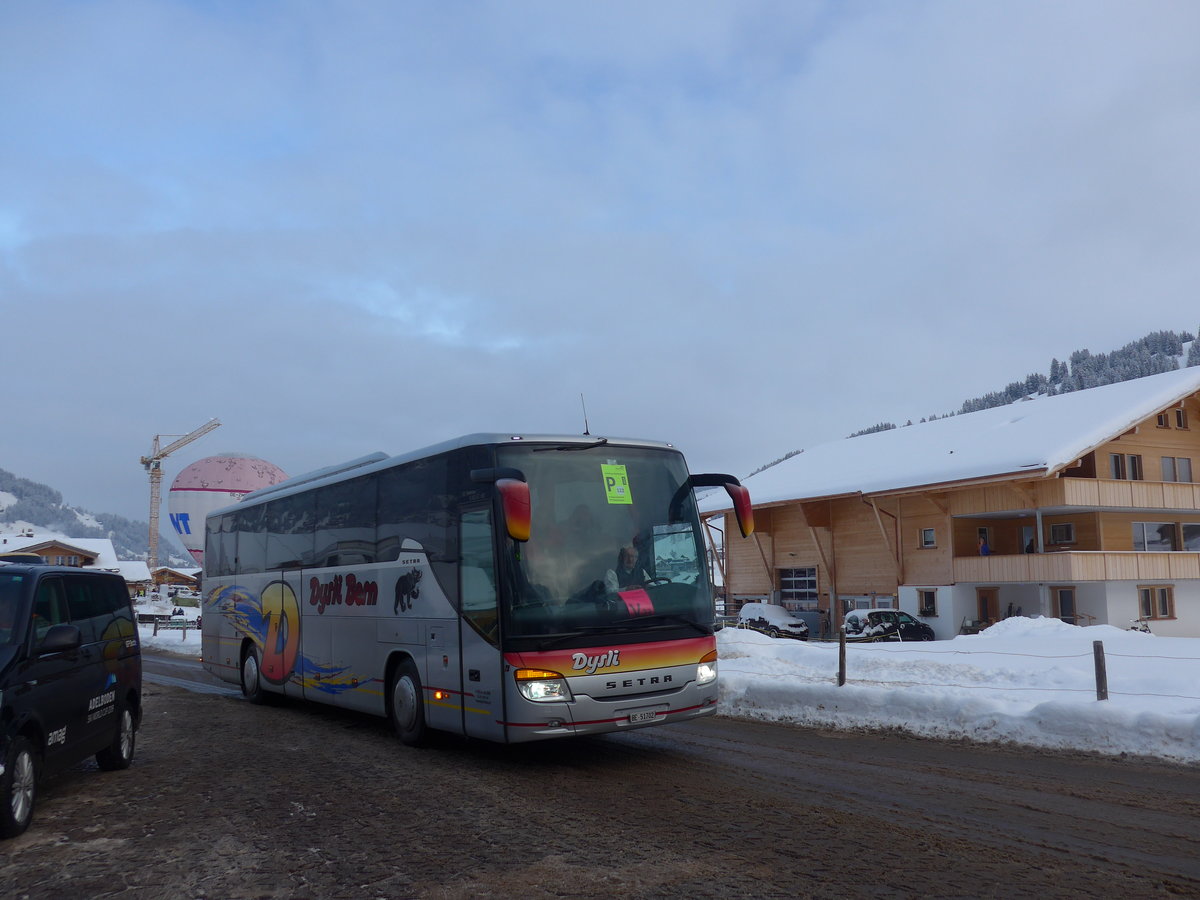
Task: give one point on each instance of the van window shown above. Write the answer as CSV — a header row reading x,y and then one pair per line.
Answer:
x,y
89,609
11,587
49,607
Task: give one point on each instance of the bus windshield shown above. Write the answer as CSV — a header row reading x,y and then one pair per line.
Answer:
x,y
603,554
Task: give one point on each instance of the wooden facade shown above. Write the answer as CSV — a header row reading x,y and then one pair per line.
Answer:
x,y
1081,531
60,553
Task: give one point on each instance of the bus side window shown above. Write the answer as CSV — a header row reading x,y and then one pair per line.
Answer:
x,y
478,573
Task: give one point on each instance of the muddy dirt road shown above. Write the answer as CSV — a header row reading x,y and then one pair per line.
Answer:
x,y
229,800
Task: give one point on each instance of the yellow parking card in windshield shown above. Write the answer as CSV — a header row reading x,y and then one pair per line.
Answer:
x,y
616,484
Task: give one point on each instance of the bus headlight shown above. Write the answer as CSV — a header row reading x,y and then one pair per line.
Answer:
x,y
542,686
706,671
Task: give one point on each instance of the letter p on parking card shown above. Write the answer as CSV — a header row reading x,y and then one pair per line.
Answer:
x,y
616,484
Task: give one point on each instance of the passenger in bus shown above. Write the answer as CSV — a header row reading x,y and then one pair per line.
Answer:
x,y
627,572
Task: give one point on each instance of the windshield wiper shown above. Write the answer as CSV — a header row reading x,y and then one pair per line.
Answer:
x,y
557,640
599,442
671,618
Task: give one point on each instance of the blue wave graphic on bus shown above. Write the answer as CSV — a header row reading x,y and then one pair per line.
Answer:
x,y
244,610
332,680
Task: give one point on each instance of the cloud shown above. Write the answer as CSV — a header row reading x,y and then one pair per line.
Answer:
x,y
744,228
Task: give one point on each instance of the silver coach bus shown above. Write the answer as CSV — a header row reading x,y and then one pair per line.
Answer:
x,y
511,588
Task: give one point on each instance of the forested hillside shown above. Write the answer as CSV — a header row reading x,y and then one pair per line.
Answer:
x,y
43,507
1159,351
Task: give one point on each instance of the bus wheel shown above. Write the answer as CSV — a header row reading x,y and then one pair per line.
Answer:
x,y
408,704
252,688
18,785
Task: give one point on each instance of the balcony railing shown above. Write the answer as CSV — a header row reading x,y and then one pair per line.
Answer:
x,y
1086,493
1074,566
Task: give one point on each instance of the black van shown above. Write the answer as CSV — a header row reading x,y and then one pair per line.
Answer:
x,y
70,678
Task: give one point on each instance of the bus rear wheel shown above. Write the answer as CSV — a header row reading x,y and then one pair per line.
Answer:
x,y
407,708
252,688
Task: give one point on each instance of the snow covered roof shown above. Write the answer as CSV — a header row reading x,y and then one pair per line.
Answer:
x,y
100,548
1035,437
134,571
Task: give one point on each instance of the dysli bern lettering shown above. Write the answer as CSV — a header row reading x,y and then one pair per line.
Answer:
x,y
357,593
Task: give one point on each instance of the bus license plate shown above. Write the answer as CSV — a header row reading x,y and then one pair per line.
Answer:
x,y
648,715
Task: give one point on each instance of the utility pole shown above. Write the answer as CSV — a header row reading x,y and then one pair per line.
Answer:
x,y
153,466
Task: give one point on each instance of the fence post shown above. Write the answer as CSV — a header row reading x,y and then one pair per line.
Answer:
x,y
841,657
156,626
1101,673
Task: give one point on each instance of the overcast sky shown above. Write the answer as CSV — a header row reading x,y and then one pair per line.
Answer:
x,y
743,227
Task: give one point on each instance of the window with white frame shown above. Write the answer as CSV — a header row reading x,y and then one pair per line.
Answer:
x,y
1062,533
1191,537
1125,466
1177,468
928,538
1156,601
1181,418
1154,537
1064,602
798,588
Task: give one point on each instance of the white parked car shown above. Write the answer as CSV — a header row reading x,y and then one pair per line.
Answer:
x,y
772,620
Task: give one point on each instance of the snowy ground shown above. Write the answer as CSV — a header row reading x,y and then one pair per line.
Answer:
x,y
1023,680
1028,681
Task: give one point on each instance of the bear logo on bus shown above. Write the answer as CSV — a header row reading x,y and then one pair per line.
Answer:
x,y
407,590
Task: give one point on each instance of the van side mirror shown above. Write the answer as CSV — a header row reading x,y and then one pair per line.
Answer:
x,y
60,638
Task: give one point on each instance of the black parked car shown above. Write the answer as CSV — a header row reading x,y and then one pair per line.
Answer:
x,y
70,679
885,625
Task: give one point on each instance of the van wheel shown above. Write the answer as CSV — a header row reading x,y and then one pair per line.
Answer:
x,y
407,708
18,786
119,754
252,688
774,632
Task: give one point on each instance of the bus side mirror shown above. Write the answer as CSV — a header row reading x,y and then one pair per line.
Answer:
x,y
742,508
737,493
515,503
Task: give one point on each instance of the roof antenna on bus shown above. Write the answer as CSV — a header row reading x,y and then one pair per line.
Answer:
x,y
583,403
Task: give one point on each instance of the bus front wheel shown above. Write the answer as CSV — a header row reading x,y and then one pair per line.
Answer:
x,y
408,704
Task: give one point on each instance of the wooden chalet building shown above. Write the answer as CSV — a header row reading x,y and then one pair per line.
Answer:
x,y
1080,506
53,551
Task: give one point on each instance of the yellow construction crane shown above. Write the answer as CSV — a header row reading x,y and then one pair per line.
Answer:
x,y
153,465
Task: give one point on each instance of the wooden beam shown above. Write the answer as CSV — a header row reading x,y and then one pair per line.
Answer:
x,y
818,514
893,551
932,498
825,560
766,565
1023,491
717,558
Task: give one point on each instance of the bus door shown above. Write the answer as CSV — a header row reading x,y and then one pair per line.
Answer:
x,y
482,671
442,676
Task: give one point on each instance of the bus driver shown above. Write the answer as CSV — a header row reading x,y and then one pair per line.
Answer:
x,y
627,572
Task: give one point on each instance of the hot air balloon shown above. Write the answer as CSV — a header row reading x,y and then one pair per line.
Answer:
x,y
209,484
